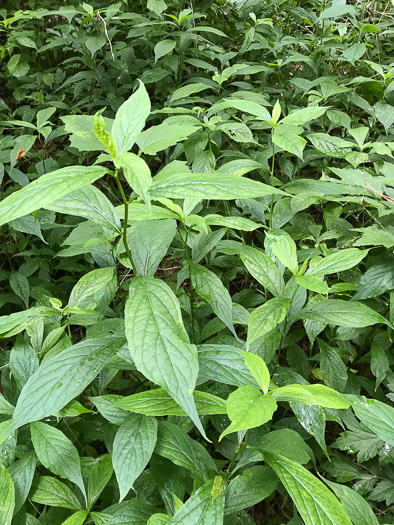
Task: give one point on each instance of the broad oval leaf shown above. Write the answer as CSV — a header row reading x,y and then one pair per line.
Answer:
x,y
248,408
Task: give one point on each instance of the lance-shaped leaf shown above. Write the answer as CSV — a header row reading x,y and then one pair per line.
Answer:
x,y
22,473
57,453
377,416
210,287
337,262
130,119
354,504
46,189
264,318
61,379
88,202
158,402
50,491
176,445
132,449
314,501
202,507
7,496
259,370
311,394
285,250
209,186
149,242
158,341
341,313
262,268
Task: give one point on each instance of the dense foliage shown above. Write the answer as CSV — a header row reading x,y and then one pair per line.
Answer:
x,y
197,269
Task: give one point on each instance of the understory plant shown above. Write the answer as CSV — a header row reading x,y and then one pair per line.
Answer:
x,y
197,270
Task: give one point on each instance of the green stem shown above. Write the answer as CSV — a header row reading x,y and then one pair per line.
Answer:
x,y
189,264
125,222
272,181
285,325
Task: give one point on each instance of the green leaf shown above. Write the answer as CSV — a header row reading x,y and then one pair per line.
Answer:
x,y
354,504
304,115
20,286
246,106
285,250
384,113
188,90
288,443
252,486
137,173
224,364
237,223
90,203
91,288
5,407
7,496
157,6
263,269
288,138
354,52
132,449
22,473
82,134
310,282
209,186
201,508
265,318
377,416
163,47
163,136
314,501
158,341
130,119
174,444
23,361
77,519
46,189
102,134
248,408
311,394
99,476
337,262
258,369
341,313
333,368
157,402
211,288
52,492
149,243
57,453
61,379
